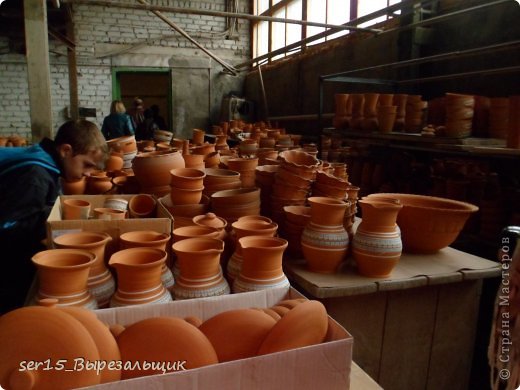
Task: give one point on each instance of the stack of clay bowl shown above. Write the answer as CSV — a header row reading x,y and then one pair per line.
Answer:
x,y
184,213
248,148
296,218
386,113
233,204
498,117
414,114
152,170
186,186
162,136
246,167
265,155
126,145
265,178
459,114
330,186
339,170
219,180
293,181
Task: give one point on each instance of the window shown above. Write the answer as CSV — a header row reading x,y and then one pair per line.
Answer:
x,y
270,36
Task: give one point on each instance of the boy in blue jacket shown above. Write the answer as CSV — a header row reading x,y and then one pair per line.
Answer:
x,y
29,187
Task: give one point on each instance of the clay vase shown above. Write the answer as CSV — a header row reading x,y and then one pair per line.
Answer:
x,y
243,228
200,274
100,281
139,277
150,239
220,224
377,242
63,275
262,265
152,170
324,239
43,334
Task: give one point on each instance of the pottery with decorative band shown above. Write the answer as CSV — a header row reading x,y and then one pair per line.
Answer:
x,y
100,281
63,275
262,265
200,274
139,277
324,240
377,242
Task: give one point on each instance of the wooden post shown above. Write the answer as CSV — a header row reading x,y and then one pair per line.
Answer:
x,y
73,69
38,70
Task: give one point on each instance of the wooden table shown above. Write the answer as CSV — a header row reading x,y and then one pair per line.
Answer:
x,y
414,330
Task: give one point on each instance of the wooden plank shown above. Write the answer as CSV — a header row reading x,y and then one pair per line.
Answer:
x,y
454,335
38,70
407,338
364,317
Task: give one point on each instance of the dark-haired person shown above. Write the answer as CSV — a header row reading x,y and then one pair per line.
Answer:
x,y
29,187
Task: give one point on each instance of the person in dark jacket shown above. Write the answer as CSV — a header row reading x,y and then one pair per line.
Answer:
x,y
146,129
118,123
158,119
29,187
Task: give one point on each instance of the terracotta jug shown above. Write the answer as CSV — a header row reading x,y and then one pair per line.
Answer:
x,y
242,228
63,275
200,274
150,239
324,239
100,281
377,242
262,265
139,277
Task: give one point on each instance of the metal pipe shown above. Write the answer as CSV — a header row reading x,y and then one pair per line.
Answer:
x,y
149,7
433,58
230,68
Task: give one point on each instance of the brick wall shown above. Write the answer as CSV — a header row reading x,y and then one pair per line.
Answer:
x,y
106,29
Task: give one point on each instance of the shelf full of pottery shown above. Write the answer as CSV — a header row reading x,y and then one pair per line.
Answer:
x,y
451,116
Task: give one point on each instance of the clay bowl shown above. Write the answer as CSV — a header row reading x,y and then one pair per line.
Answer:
x,y
289,191
333,192
331,180
305,173
288,177
187,178
215,176
242,164
235,197
429,223
184,196
186,210
298,215
299,159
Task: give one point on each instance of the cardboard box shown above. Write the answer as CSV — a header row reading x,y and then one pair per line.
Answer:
x,y
162,223
323,366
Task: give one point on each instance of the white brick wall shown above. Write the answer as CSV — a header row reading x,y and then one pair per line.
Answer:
x,y
96,26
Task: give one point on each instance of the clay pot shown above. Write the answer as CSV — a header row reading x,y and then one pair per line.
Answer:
x,y
152,170
198,136
100,281
237,334
200,274
187,210
75,209
262,265
164,339
340,104
185,232
40,334
77,187
187,178
63,275
139,276
114,162
324,239
377,242
142,206
124,144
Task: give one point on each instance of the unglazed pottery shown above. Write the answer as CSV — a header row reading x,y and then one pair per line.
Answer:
x,y
165,339
75,209
63,275
429,223
153,170
40,334
237,334
324,239
142,206
377,242
200,274
262,265
100,281
139,277
306,324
